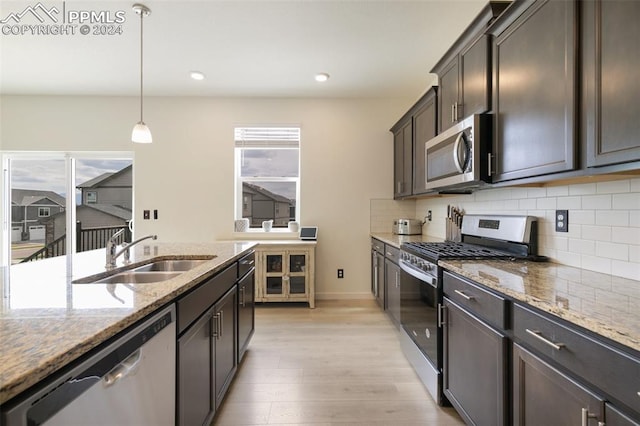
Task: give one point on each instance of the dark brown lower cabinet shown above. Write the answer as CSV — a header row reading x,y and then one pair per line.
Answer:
x,y
246,312
392,291
475,356
195,369
207,361
224,342
543,395
615,417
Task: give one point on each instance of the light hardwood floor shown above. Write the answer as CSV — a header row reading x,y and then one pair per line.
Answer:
x,y
337,364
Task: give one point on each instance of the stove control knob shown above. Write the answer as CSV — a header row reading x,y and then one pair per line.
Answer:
x,y
428,267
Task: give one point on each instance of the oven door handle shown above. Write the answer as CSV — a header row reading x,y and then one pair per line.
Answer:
x,y
421,276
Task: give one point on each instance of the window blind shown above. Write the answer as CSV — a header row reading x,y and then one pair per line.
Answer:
x,y
262,137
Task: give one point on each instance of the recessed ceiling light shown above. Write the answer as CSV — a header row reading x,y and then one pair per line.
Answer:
x,y
322,77
196,75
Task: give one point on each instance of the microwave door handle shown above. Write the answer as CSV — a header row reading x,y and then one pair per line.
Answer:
x,y
456,146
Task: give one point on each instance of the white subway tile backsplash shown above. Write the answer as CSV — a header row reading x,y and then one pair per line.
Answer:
x,y
548,203
596,263
582,189
569,203
612,250
612,217
527,203
557,191
629,201
582,246
613,187
604,220
582,217
596,202
568,258
536,192
596,233
625,235
626,269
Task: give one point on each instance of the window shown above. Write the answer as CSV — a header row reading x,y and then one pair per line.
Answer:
x,y
46,198
267,167
92,197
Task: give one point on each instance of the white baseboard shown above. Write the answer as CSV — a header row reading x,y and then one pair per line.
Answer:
x,y
344,296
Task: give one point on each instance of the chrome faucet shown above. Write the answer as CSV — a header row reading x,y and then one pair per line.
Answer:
x,y
112,254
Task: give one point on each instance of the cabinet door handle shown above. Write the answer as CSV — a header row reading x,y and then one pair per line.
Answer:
x,y
397,279
441,309
586,415
464,295
214,326
538,335
452,112
242,296
221,314
490,171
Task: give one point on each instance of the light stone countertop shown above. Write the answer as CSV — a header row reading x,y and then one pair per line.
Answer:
x,y
603,304
46,321
397,240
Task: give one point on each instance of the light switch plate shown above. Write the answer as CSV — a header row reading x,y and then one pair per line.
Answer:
x,y
562,220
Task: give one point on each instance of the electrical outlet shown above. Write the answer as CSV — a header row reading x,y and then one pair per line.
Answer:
x,y
146,214
429,215
340,273
562,220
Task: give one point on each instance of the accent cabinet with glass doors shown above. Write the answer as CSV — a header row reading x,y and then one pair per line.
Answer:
x,y
285,272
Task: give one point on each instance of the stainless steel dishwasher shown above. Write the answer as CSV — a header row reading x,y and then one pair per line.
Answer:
x,y
129,382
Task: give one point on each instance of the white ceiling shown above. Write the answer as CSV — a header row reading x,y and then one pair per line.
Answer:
x,y
245,48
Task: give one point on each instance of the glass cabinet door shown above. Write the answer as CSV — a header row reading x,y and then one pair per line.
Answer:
x,y
297,274
275,276
274,263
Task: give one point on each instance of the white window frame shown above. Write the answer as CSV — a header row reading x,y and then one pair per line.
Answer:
x,y
290,141
69,158
44,211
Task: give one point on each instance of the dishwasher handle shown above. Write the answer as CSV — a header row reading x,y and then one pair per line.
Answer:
x,y
122,370
114,362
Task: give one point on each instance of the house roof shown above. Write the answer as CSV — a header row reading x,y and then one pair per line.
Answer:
x,y
117,211
27,197
101,180
266,193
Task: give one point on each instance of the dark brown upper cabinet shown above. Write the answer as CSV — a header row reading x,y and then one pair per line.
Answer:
x,y
611,88
464,72
424,128
402,157
534,89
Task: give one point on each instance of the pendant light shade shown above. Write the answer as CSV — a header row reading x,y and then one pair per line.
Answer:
x,y
141,133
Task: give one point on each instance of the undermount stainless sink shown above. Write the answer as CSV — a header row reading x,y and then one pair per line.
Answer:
x,y
177,265
132,277
152,272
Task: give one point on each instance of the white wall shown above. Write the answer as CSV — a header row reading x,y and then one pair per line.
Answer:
x,y
604,220
187,173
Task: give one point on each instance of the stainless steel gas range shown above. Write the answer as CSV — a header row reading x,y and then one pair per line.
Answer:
x,y
421,309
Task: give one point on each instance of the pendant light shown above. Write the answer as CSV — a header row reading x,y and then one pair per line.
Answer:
x,y
141,133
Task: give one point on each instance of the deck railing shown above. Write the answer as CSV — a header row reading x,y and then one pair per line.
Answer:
x,y
86,239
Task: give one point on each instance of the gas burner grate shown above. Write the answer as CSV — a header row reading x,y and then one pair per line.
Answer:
x,y
452,250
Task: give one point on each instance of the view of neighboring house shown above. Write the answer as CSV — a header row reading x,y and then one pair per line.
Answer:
x,y
260,204
30,209
105,201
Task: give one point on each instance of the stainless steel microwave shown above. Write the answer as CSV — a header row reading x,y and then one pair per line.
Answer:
x,y
458,158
